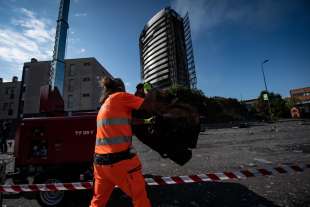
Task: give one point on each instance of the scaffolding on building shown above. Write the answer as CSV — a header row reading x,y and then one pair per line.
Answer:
x,y
189,52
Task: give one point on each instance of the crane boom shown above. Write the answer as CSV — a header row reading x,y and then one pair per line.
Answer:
x,y
57,69
51,95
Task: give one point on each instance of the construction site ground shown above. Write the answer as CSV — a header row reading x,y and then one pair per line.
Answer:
x,y
219,150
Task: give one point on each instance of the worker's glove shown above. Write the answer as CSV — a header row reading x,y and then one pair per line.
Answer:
x,y
147,87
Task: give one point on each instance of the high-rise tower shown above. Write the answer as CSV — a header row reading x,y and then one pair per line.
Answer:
x,y
165,51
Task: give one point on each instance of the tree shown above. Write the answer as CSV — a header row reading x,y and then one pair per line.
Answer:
x,y
193,97
214,109
279,108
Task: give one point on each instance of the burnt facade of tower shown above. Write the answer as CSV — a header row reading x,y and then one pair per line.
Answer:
x,y
166,52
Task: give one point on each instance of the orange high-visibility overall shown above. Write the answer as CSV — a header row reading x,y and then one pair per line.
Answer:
x,y
113,136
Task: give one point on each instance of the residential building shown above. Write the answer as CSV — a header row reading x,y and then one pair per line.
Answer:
x,y
9,98
301,97
81,84
166,53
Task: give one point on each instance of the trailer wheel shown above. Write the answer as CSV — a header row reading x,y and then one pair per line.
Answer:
x,y
49,198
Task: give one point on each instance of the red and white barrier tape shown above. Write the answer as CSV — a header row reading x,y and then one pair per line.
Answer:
x,y
159,180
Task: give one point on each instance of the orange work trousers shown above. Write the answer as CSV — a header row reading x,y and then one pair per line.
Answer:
x,y
127,175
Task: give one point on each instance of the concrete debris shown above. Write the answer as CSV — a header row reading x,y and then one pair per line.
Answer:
x,y
176,201
194,204
274,129
251,165
262,161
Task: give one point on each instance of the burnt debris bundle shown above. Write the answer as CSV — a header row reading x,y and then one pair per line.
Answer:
x,y
172,126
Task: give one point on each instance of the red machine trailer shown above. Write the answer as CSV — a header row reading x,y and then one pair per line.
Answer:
x,y
54,140
57,141
54,150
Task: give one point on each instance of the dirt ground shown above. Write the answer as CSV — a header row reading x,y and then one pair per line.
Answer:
x,y
219,150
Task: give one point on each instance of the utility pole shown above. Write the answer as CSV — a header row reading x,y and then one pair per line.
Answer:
x,y
266,89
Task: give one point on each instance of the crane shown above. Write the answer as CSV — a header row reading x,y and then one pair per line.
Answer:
x,y
56,72
51,95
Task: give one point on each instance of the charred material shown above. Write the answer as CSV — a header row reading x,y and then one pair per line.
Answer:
x,y
173,128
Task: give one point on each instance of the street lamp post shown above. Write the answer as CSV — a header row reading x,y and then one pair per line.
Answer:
x,y
269,108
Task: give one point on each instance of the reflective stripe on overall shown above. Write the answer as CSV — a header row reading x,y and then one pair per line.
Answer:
x,y
114,132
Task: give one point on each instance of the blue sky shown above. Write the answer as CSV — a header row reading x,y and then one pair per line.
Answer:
x,y
230,38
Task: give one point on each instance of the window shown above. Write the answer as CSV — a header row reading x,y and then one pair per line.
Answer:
x,y
10,112
5,106
87,64
7,90
71,85
86,94
12,93
22,103
71,70
70,101
86,79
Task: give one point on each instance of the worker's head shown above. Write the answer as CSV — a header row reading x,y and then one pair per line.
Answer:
x,y
120,86
110,86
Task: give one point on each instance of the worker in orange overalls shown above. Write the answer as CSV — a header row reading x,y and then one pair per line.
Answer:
x,y
114,163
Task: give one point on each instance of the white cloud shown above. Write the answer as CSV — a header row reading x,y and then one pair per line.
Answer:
x,y
27,12
28,36
11,38
73,40
206,15
80,14
196,11
35,28
82,50
12,55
